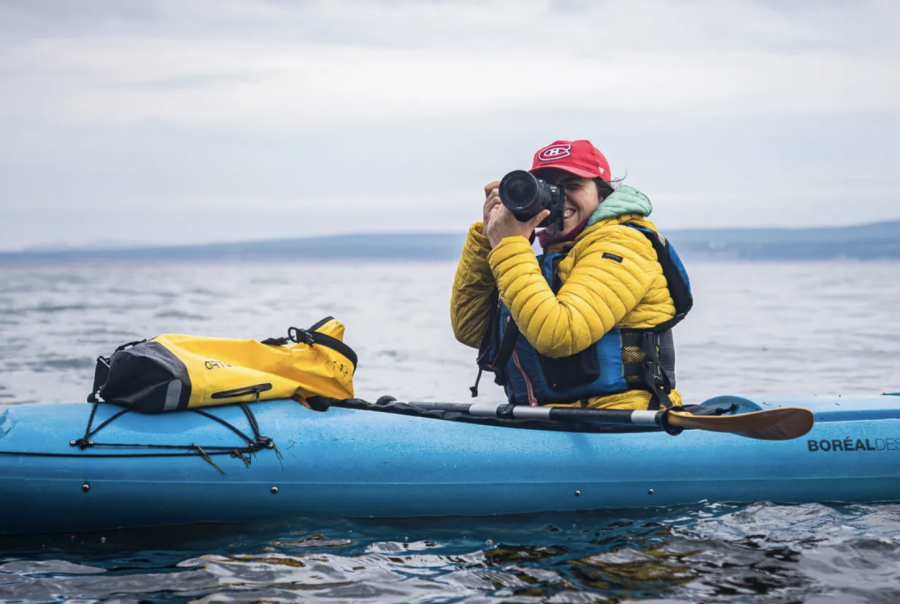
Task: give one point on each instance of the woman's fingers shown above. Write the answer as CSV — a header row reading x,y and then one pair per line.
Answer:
x,y
492,200
538,219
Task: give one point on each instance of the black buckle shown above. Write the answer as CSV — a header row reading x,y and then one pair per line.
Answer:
x,y
301,336
649,368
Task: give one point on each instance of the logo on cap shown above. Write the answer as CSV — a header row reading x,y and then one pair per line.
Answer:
x,y
555,152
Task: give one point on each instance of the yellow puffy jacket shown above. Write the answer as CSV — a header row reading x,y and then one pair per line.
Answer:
x,y
596,295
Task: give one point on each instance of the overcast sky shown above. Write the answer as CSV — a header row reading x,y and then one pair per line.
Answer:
x,y
164,121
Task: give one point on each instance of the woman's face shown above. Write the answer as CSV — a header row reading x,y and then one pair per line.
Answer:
x,y
581,197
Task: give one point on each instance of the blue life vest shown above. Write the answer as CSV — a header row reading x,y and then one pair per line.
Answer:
x,y
623,359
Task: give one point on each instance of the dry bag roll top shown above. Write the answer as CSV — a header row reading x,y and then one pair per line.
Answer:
x,y
174,372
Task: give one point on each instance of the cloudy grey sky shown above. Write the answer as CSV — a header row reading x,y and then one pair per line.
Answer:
x,y
170,121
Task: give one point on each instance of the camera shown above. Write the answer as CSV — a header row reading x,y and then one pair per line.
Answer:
x,y
526,196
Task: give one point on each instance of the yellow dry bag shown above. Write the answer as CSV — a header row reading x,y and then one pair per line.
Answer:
x,y
174,372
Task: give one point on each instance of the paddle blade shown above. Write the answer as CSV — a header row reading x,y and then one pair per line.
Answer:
x,y
783,423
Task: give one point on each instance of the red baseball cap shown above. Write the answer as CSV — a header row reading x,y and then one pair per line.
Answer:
x,y
581,158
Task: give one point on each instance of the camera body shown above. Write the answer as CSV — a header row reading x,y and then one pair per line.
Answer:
x,y
526,196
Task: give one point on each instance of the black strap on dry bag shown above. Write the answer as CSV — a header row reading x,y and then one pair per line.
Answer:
x,y
311,336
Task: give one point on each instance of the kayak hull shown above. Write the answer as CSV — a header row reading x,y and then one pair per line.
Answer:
x,y
370,464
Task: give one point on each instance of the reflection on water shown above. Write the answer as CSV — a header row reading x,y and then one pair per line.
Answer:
x,y
712,553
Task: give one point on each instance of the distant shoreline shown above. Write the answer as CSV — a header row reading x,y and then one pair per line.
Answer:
x,y
877,241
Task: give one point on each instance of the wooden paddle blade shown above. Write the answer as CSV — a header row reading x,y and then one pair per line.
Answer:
x,y
783,423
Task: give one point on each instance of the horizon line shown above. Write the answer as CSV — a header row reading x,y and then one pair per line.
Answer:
x,y
99,246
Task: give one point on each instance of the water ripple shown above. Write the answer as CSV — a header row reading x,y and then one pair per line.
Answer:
x,y
708,553
54,321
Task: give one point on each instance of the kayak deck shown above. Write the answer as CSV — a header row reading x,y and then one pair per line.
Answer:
x,y
369,464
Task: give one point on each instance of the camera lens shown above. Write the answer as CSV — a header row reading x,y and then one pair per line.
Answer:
x,y
520,189
526,196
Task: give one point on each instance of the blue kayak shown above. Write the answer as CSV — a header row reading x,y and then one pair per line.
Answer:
x,y
183,467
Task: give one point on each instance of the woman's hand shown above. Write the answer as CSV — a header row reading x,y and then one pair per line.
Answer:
x,y
499,222
491,199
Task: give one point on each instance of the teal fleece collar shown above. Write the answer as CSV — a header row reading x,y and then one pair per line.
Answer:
x,y
624,200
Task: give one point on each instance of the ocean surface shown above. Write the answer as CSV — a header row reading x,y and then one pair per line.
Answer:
x,y
757,328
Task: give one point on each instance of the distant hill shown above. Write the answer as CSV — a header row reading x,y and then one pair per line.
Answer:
x,y
864,242
880,240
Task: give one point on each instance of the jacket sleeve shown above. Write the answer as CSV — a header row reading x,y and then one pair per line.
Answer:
x,y
472,287
597,293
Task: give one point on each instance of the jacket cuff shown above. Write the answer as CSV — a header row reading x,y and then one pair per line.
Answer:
x,y
477,242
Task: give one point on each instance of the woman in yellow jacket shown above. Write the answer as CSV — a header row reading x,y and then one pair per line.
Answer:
x,y
588,322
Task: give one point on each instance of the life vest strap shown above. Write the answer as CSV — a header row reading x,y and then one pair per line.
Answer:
x,y
474,388
488,360
492,330
649,373
507,345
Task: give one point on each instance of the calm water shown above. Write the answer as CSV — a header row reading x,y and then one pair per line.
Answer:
x,y
757,328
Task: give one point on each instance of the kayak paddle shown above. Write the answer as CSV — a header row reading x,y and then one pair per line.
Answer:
x,y
783,423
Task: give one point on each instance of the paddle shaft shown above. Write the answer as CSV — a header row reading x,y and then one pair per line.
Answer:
x,y
561,414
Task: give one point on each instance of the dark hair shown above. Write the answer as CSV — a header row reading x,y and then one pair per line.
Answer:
x,y
605,189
